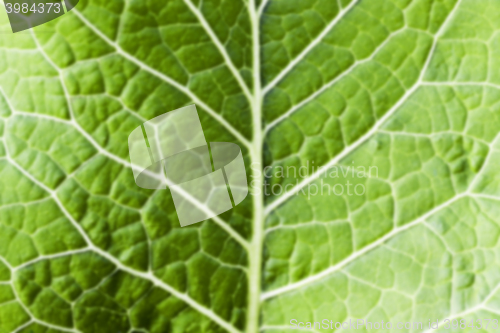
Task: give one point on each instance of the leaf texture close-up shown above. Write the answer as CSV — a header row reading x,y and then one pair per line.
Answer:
x,y
404,92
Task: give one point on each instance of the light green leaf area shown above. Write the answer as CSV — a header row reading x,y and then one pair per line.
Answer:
x,y
369,130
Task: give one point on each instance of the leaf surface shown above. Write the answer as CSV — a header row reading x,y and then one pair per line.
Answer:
x,y
394,102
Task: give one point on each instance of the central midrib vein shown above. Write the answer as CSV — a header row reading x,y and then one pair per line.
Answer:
x,y
255,253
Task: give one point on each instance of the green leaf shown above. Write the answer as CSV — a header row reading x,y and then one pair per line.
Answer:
x,y
369,130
